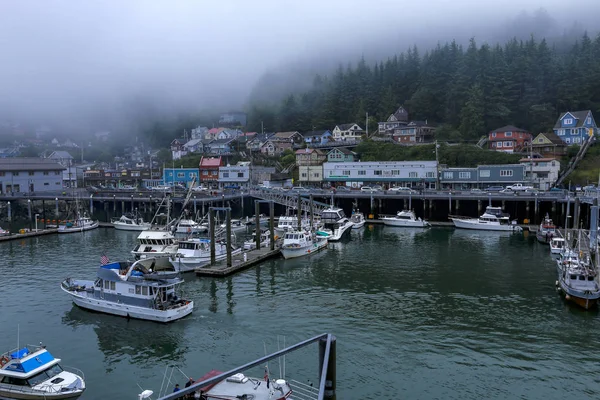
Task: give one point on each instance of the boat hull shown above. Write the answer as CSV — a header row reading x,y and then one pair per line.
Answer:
x,y
126,227
64,229
405,223
358,225
584,300
5,393
129,311
189,264
543,238
295,252
475,225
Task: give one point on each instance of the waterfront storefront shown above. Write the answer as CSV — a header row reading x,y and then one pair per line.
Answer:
x,y
29,175
482,176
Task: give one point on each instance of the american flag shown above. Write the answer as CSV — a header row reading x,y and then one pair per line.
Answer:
x,y
104,260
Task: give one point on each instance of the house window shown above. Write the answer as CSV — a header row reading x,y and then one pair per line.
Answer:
x,y
170,174
15,174
493,134
464,175
506,172
316,175
346,173
362,172
507,144
499,144
430,174
413,175
448,175
377,172
193,175
46,172
46,184
540,140
484,173
568,140
204,173
181,174
225,174
240,174
507,134
31,173
568,121
395,172
588,120
304,174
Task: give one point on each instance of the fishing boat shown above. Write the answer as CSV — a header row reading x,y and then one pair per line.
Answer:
x,y
155,243
546,231
236,225
557,245
80,224
195,252
405,218
265,240
288,223
130,290
335,224
262,219
302,243
358,220
577,279
189,226
132,222
31,372
4,232
240,386
493,219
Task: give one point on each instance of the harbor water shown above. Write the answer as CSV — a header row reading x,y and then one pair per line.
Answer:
x,y
422,314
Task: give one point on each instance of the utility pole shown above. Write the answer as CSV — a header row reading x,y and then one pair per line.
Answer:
x,y
437,167
367,123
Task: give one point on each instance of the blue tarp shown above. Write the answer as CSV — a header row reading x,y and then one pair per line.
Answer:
x,y
114,265
19,353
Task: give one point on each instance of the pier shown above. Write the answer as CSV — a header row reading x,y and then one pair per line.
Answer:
x,y
16,236
239,262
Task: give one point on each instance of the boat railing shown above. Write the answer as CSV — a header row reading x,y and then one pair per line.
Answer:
x,y
303,391
73,370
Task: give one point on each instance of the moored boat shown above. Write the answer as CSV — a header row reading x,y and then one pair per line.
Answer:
x,y
358,220
240,386
80,224
265,240
406,218
155,243
301,243
189,226
557,245
130,290
130,223
31,372
546,231
195,252
493,219
4,232
577,280
335,224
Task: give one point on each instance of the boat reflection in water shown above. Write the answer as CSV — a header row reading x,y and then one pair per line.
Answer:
x,y
152,344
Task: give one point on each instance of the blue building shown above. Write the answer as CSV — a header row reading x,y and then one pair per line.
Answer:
x,y
180,176
482,176
317,137
575,127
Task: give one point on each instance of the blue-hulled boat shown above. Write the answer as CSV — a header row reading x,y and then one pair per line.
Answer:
x,y
31,372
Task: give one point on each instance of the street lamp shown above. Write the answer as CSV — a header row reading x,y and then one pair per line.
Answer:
x,y
36,219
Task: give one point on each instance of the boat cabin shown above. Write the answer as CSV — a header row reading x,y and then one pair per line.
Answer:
x,y
332,215
297,239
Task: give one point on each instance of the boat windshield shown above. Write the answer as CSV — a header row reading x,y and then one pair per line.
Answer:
x,y
45,375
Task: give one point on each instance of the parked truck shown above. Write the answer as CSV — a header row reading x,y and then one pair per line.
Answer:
x,y
519,187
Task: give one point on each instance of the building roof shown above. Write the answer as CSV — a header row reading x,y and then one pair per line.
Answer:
x,y
553,137
29,164
316,133
541,159
210,162
509,128
308,150
345,127
580,116
216,130
192,142
287,135
343,150
222,141
60,155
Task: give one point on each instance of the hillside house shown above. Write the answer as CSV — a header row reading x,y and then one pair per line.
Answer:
x,y
257,141
549,145
209,169
178,149
394,121
341,154
575,127
414,132
221,146
310,157
509,139
317,137
233,118
275,147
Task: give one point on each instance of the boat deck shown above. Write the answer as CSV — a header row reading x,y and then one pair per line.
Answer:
x,y
253,257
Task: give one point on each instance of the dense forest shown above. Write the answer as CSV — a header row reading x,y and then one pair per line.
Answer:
x,y
466,92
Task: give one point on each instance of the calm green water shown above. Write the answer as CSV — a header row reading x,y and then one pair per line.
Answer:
x,y
436,314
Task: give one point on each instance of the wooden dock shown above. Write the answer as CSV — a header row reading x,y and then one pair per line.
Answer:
x,y
253,257
16,236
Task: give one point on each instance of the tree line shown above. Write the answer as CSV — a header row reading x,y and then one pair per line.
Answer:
x,y
465,90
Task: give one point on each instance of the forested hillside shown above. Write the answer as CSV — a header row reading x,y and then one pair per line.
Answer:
x,y
466,91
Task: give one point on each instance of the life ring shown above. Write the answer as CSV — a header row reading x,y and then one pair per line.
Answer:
x,y
4,360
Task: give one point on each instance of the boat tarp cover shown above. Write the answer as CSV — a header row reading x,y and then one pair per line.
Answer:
x,y
19,353
319,233
34,362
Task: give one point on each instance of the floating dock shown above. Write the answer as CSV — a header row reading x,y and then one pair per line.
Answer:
x,y
253,257
16,236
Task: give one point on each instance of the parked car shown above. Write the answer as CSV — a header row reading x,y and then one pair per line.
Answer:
x,y
476,190
377,187
299,189
402,189
341,189
161,188
494,188
367,189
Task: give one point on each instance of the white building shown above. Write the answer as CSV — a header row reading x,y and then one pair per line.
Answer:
x,y
541,172
310,174
237,175
344,132
390,173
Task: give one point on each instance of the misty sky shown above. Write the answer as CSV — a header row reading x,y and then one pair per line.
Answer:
x,y
66,58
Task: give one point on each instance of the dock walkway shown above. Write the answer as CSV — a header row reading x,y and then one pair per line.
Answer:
x,y
16,236
253,257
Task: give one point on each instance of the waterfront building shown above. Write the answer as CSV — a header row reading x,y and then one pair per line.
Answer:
x,y
549,145
575,127
341,154
69,175
235,176
392,173
30,174
482,176
310,165
209,169
348,132
509,139
260,174
118,178
180,176
541,172
394,121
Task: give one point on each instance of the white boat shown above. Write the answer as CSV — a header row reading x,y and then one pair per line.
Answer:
x,y
262,219
335,223
288,223
4,232
493,219
302,243
577,279
155,243
546,231
130,290
358,220
557,245
194,253
236,225
130,223
80,224
265,240
406,218
31,372
189,226
239,386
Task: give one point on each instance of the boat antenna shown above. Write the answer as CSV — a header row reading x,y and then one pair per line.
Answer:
x,y
18,336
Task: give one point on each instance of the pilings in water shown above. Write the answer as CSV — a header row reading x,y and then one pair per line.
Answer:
x,y
327,352
576,214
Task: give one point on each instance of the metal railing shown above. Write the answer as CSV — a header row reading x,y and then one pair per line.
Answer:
x,y
290,201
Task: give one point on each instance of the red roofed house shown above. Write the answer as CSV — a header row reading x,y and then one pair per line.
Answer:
x,y
509,139
209,169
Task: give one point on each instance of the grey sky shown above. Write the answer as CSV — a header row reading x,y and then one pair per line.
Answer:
x,y
61,57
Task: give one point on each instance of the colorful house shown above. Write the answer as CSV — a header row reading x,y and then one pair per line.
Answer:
x,y
317,137
575,127
209,169
348,132
509,139
549,145
180,176
341,154
394,121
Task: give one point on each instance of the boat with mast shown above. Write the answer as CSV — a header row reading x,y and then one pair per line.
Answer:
x,y
130,222
546,231
158,241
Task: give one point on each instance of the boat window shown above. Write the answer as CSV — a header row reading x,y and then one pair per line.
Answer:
x,y
44,375
138,289
145,290
99,283
590,278
112,286
573,276
581,278
14,381
106,284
